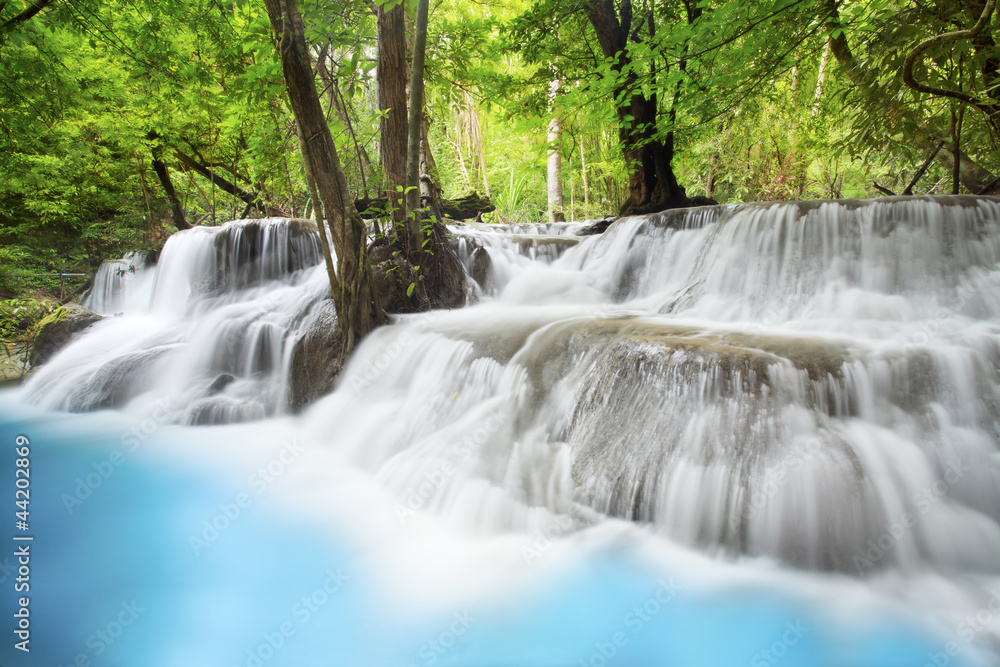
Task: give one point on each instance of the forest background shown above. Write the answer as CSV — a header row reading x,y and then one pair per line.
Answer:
x,y
122,121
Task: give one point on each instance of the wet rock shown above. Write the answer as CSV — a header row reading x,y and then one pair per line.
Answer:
x,y
249,252
117,382
744,358
58,329
445,275
315,362
220,383
223,410
482,268
557,244
597,227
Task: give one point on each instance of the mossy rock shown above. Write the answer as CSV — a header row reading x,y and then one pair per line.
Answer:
x,y
56,330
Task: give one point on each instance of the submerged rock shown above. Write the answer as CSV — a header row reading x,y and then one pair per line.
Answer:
x,y
58,329
220,383
117,382
482,266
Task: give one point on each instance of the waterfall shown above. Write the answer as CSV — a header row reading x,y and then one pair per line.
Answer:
x,y
112,283
815,384
207,331
785,380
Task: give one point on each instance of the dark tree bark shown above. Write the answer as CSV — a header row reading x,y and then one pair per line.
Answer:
x,y
886,191
986,49
908,190
176,211
652,184
430,180
319,215
357,303
391,78
27,14
693,11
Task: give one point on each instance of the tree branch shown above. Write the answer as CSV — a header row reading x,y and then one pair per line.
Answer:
x,y
884,191
954,36
27,13
923,168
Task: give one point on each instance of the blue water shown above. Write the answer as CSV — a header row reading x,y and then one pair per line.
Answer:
x,y
115,580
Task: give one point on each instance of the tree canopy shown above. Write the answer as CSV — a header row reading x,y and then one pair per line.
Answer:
x,y
121,121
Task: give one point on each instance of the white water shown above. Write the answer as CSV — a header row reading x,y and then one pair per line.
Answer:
x,y
113,282
809,384
207,332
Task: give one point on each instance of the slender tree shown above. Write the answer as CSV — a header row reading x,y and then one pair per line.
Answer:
x,y
554,158
391,80
357,303
416,119
652,183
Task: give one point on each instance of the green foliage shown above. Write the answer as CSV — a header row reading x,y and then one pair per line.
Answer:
x,y
91,91
19,316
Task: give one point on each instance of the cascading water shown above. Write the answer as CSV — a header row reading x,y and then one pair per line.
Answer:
x,y
810,384
208,330
112,282
678,369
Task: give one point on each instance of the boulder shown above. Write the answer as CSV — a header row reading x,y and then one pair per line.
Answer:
x,y
58,329
482,267
315,361
220,383
598,226
117,382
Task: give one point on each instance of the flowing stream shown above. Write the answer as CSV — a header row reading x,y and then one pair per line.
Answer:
x,y
785,411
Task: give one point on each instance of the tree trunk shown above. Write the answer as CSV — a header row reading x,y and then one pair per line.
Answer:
x,y
820,76
357,304
652,184
430,186
583,177
319,215
415,121
27,14
391,78
554,162
986,51
176,211
973,177
466,179
466,207
476,143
